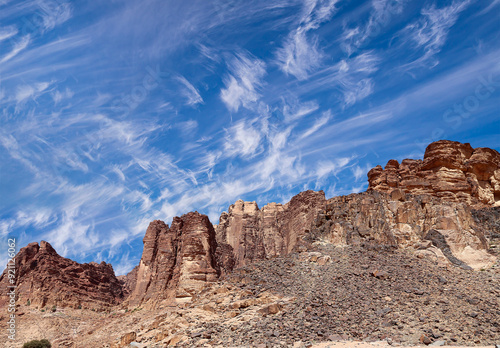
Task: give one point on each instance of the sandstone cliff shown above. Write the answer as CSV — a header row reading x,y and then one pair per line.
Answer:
x,y
253,234
442,230
450,170
177,261
46,279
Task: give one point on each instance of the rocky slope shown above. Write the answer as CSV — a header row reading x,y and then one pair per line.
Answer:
x,y
318,293
45,279
450,170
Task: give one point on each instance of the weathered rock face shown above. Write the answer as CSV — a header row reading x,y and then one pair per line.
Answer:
x,y
177,261
489,219
129,280
248,233
47,279
450,170
404,220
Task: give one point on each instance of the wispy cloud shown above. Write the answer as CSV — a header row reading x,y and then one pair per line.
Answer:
x,y
7,32
18,47
294,110
351,76
243,82
242,139
30,91
430,32
54,13
317,124
300,53
382,12
298,56
58,96
189,92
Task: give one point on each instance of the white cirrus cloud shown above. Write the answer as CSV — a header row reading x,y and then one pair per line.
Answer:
x,y
318,124
242,139
18,47
58,96
7,32
382,12
30,91
189,92
430,31
54,13
300,54
243,82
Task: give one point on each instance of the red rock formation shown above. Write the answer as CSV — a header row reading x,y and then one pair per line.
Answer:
x,y
255,234
129,280
47,279
450,170
177,261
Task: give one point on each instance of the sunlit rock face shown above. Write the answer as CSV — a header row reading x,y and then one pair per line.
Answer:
x,y
255,234
177,261
450,170
46,279
445,231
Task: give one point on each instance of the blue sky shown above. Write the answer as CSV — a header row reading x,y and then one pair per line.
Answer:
x,y
115,113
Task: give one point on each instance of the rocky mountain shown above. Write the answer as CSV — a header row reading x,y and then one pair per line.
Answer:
x,y
321,296
440,210
450,170
46,279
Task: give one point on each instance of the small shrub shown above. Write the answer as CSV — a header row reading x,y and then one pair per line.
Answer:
x,y
43,310
79,306
37,344
54,308
28,303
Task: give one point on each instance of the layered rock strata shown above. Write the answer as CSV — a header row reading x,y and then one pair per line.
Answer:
x,y
445,230
450,170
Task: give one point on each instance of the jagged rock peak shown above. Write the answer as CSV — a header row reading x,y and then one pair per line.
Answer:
x,y
177,261
450,170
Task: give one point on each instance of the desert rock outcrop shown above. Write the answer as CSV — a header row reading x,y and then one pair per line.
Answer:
x,y
254,234
450,170
177,261
46,279
445,230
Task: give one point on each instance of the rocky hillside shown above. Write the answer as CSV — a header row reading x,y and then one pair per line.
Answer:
x,y
450,170
319,293
46,279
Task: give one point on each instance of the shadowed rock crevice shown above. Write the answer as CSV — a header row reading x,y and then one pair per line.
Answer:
x,y
439,241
